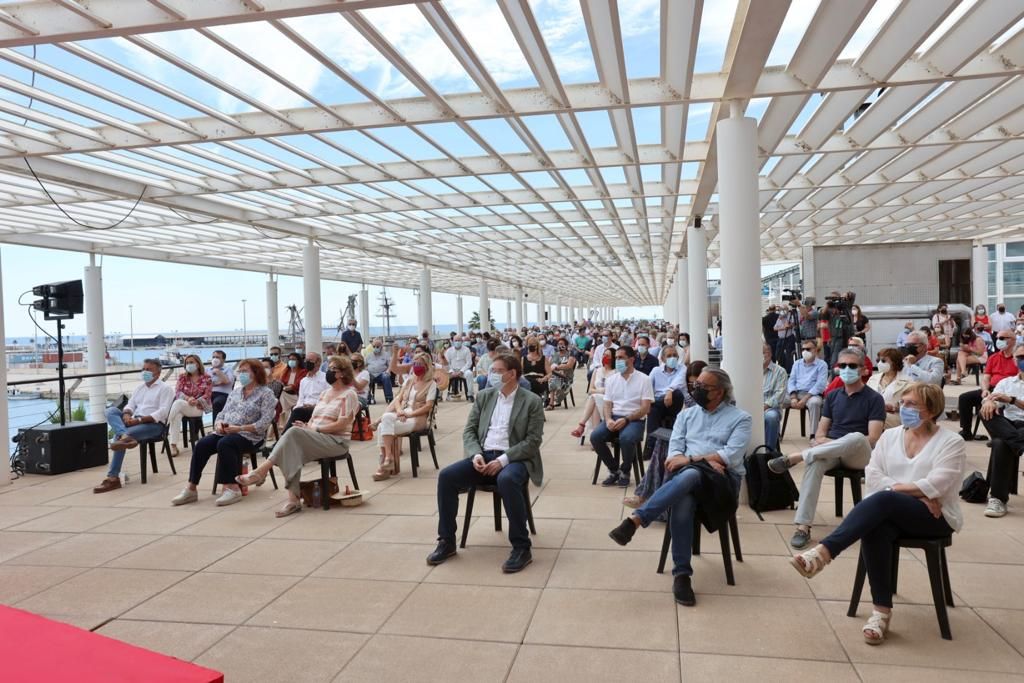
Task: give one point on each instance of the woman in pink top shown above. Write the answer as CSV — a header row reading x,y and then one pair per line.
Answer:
x,y
326,434
192,398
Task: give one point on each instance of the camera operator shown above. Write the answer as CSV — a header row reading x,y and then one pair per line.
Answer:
x,y
840,323
768,327
786,327
918,365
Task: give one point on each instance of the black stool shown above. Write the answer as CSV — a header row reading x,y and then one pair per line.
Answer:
x,y
638,464
454,385
497,508
191,428
938,576
428,431
785,421
328,469
854,476
723,538
149,446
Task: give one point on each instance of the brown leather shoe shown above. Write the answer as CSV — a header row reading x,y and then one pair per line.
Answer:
x,y
124,443
108,484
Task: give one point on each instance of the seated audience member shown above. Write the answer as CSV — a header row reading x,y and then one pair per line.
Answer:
x,y
310,388
143,418
343,350
377,363
981,318
912,479
901,338
919,366
986,337
277,366
239,428
594,409
705,455
483,363
890,382
866,371
851,422
563,367
501,447
325,434
773,386
973,351
998,367
222,380
668,381
408,413
627,399
290,379
193,396
807,383
1003,414
361,383
645,360
459,360
684,348
351,338
536,367
329,350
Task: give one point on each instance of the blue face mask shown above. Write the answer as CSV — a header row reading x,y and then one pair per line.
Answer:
x,y
244,378
292,363
620,365
671,362
147,376
1001,344
190,367
494,379
910,417
849,375
274,357
458,345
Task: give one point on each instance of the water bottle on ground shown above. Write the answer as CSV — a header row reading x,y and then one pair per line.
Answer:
x,y
123,476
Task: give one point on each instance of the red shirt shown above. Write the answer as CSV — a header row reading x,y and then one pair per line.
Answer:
x,y
838,382
999,367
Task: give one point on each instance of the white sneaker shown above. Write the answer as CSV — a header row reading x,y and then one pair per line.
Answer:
x,y
187,495
229,497
996,508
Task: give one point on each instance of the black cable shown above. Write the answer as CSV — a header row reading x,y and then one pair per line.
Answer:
x,y
192,220
72,218
31,315
32,84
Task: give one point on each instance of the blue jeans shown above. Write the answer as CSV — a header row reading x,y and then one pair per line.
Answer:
x,y
772,420
481,382
630,437
678,493
383,379
141,432
461,475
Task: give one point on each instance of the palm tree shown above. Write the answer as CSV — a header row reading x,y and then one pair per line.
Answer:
x,y
474,322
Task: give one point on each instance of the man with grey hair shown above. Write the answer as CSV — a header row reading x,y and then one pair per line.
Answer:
x,y
773,387
918,366
143,417
851,422
705,452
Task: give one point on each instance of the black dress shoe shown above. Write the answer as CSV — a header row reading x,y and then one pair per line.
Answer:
x,y
683,592
445,549
623,533
517,561
612,480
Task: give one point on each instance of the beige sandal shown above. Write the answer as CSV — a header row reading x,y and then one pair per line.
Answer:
x,y
289,509
385,471
874,631
633,501
809,563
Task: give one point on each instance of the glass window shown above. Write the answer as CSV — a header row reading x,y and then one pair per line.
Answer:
x,y
1013,278
991,252
1014,249
1013,303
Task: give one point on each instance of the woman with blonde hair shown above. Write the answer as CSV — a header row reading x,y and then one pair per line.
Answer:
x,y
193,396
408,413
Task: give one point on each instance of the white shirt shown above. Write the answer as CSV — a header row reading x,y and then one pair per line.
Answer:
x,y
363,376
152,400
626,395
937,470
1011,386
311,387
459,359
1001,321
497,431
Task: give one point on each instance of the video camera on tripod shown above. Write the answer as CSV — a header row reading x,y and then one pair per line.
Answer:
x,y
841,318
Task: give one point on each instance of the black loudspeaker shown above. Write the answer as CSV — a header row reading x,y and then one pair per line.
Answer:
x,y
61,300
55,449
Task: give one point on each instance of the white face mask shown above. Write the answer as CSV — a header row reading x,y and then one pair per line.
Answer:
x,y
807,356
883,367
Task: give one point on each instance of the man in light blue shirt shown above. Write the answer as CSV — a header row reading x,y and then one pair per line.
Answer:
x,y
774,389
714,432
669,382
807,383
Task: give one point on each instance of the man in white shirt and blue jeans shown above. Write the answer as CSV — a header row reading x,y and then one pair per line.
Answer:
x,y
1003,414
627,399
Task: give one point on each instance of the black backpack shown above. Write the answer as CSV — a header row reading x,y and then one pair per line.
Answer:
x,y
765,489
974,489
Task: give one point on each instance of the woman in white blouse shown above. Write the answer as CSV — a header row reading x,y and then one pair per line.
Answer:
x,y
913,480
890,382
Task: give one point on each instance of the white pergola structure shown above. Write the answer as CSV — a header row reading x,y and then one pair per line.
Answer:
x,y
915,134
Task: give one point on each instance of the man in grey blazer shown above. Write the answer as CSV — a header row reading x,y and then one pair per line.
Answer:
x,y
501,442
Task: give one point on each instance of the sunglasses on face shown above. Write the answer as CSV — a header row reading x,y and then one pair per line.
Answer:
x,y
847,366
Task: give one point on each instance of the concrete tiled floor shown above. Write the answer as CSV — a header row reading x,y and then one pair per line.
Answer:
x,y
346,595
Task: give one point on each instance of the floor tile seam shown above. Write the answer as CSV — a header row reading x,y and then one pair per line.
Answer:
x,y
65,536
248,541
17,524
81,570
536,606
936,666
1019,651
104,564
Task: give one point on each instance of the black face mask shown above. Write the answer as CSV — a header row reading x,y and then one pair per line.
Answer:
x,y
331,376
309,365
1002,309
700,396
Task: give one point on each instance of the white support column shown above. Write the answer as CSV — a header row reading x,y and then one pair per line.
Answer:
x,y
364,315
426,313
273,324
540,309
740,234
485,307
458,313
520,307
697,292
5,447
311,297
807,272
508,314
94,340
683,298
979,276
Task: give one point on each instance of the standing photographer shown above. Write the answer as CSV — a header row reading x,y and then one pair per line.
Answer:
x,y
786,327
840,323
